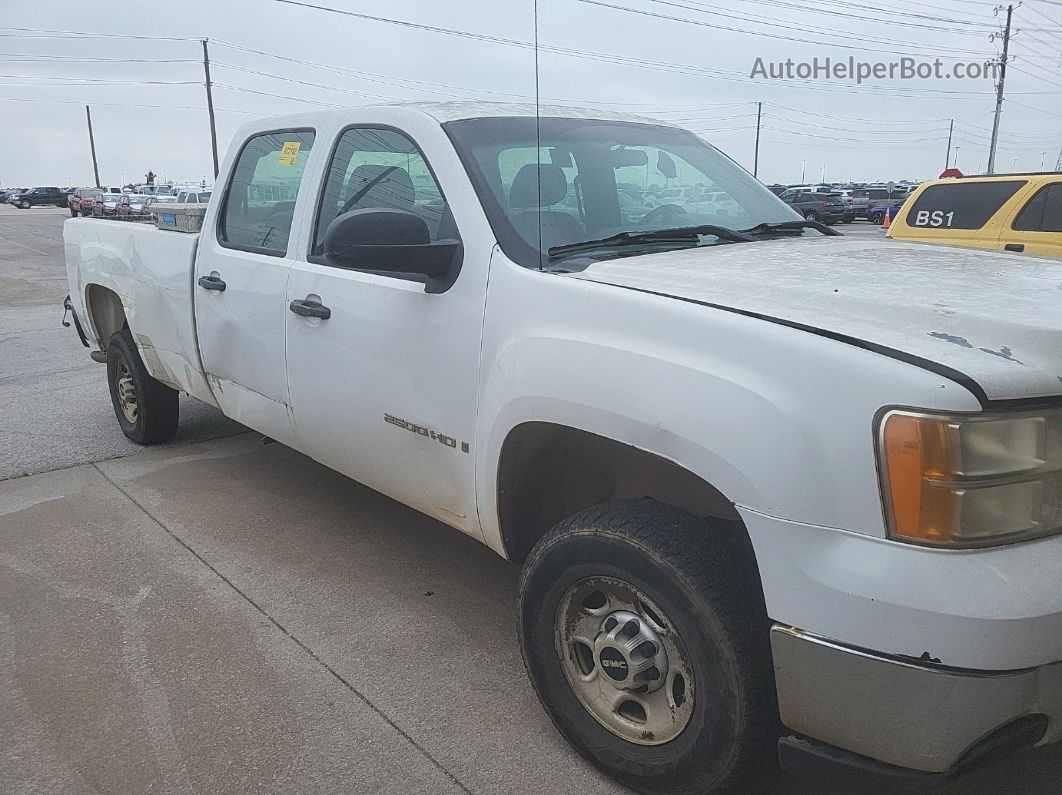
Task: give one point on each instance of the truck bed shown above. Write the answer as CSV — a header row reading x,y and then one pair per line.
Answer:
x,y
152,271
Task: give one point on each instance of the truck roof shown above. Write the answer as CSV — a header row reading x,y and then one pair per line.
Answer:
x,y
443,112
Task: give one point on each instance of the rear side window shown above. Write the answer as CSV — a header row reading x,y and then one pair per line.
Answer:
x,y
961,205
1043,213
260,202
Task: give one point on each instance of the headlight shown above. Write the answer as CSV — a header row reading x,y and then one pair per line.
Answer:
x,y
968,481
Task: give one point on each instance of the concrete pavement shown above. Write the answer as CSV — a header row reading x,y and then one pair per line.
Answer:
x,y
227,615
56,410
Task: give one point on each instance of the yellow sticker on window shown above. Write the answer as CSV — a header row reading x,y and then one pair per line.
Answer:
x,y
288,152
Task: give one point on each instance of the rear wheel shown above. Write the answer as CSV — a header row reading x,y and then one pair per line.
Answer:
x,y
645,636
147,409
811,215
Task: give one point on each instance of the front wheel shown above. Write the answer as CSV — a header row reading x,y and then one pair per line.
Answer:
x,y
25,205
73,213
147,410
645,635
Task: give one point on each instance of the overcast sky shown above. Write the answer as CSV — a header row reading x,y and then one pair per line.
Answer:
x,y
687,61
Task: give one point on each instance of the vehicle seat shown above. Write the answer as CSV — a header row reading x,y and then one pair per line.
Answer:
x,y
539,185
378,186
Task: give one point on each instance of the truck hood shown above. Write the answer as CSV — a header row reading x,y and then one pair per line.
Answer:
x,y
984,317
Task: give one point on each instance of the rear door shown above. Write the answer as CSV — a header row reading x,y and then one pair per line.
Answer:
x,y
1036,227
241,278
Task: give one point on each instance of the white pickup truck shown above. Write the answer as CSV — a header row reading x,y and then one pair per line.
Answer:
x,y
772,488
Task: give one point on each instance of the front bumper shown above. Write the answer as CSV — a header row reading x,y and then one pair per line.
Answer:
x,y
908,713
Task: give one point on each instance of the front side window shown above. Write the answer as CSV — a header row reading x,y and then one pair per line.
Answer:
x,y
1043,213
260,203
379,169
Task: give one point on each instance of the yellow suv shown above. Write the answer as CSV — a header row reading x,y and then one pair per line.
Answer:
x,y
1013,212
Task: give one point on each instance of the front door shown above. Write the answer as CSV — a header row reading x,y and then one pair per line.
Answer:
x,y
241,281
384,389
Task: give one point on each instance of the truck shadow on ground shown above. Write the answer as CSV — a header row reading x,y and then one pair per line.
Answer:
x,y
379,592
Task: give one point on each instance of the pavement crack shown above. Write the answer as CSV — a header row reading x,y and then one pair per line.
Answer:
x,y
290,635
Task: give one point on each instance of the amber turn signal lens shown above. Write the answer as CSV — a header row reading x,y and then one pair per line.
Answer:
x,y
919,455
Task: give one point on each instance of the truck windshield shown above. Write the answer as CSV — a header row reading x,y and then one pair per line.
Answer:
x,y
591,179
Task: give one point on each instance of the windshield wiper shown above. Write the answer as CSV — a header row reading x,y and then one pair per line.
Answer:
x,y
679,234
789,226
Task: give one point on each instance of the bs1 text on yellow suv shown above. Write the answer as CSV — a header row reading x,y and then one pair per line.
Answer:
x,y
1014,212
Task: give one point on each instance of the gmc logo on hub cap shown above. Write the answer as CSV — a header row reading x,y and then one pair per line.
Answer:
x,y
614,664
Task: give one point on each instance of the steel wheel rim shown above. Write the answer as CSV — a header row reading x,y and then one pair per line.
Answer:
x,y
125,388
639,709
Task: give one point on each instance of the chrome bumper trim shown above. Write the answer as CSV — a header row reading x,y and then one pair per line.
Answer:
x,y
914,716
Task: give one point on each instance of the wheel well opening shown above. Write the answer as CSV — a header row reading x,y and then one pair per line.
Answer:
x,y
548,472
106,313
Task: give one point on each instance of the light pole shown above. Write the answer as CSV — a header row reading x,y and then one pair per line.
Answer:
x,y
803,170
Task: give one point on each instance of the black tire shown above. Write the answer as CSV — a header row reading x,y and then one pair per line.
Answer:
x,y
25,205
847,220
73,213
157,407
811,215
703,576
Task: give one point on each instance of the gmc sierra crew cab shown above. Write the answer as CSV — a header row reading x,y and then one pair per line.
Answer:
x,y
772,487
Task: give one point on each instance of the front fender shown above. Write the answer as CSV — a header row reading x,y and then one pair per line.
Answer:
x,y
779,420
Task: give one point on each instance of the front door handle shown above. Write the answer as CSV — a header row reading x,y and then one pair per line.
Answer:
x,y
1014,247
307,307
212,283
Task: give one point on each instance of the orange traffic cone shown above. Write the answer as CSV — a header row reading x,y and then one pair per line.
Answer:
x,y
888,221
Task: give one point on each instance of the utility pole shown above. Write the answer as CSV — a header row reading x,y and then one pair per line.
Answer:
x,y
999,92
947,160
756,158
1058,163
210,108
92,145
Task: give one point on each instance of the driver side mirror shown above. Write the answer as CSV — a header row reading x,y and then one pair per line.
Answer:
x,y
392,241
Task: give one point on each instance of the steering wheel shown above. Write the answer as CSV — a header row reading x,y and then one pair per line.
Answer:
x,y
660,212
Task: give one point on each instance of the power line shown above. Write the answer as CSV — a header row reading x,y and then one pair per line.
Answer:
x,y
122,105
905,22
945,52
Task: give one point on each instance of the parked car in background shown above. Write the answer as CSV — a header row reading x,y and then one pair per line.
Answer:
x,y
891,208
7,193
1016,212
879,197
777,190
154,201
131,205
106,204
824,207
193,197
857,205
41,197
81,200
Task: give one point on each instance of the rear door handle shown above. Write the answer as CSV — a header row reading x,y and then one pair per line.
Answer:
x,y
307,307
1014,247
212,283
